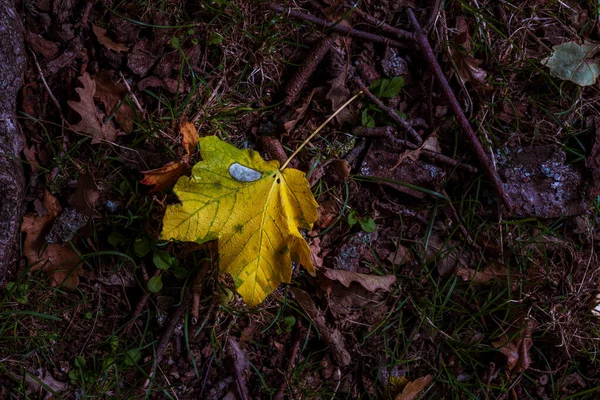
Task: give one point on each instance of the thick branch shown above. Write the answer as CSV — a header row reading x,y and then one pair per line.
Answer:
x,y
339,28
389,133
423,43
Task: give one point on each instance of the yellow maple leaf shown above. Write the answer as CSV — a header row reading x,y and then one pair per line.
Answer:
x,y
252,208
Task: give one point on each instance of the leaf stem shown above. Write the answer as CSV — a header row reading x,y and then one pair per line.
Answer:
x,y
285,164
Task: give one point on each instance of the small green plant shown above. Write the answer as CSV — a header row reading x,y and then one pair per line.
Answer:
x,y
80,374
387,88
17,291
286,325
367,224
383,88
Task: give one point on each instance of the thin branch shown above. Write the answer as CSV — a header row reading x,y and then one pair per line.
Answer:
x,y
401,33
388,133
435,10
339,28
133,98
423,43
292,360
390,111
166,337
56,103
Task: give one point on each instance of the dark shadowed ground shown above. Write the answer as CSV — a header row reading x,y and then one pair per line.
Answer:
x,y
456,244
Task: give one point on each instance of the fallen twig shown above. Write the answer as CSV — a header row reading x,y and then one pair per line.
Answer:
x,y
423,42
241,365
390,111
339,28
435,10
56,103
197,292
292,360
275,150
143,300
301,76
133,97
164,340
388,133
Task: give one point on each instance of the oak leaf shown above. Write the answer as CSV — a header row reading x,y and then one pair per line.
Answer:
x,y
92,120
59,261
252,208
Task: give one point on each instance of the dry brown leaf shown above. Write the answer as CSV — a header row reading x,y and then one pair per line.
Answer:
x,y
60,262
332,337
86,196
369,282
164,176
108,42
430,144
517,350
315,250
92,120
168,174
111,94
490,272
328,212
468,68
41,46
401,256
414,388
299,113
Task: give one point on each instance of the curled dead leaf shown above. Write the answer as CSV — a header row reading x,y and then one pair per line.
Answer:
x,y
370,282
168,174
430,144
517,350
414,388
328,212
492,271
164,176
108,42
332,336
468,68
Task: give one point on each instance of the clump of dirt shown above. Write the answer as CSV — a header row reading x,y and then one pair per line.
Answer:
x,y
542,184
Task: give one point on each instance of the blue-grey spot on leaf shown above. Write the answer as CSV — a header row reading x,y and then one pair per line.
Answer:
x,y
242,173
